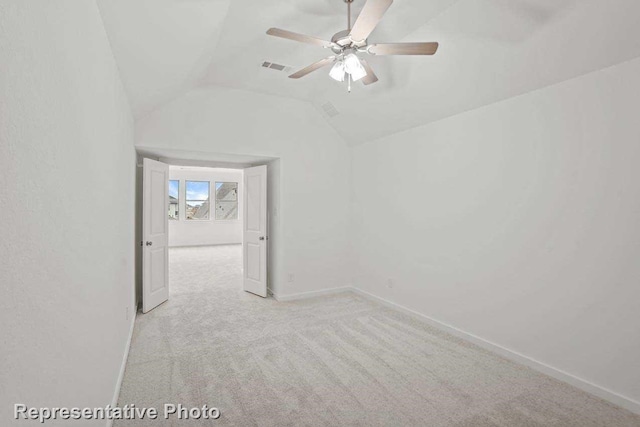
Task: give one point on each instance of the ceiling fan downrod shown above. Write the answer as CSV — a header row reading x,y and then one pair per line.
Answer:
x,y
348,2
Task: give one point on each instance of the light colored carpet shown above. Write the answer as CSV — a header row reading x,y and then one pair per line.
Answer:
x,y
336,360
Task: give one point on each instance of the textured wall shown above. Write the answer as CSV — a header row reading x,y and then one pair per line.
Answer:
x,y
518,223
67,188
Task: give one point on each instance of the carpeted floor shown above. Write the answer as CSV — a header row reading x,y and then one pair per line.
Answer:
x,y
336,360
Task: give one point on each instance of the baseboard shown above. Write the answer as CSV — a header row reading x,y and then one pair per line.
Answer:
x,y
123,365
558,374
312,294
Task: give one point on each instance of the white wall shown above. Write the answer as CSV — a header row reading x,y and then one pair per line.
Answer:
x,y
67,188
311,243
517,222
211,231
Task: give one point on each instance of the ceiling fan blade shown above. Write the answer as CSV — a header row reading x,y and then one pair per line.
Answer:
x,y
369,18
403,48
313,67
277,32
371,76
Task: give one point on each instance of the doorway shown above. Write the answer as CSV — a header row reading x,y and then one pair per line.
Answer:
x,y
205,219
216,223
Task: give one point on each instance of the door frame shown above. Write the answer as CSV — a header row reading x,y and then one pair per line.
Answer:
x,y
216,160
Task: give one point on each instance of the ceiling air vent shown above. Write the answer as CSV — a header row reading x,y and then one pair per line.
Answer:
x,y
329,109
277,67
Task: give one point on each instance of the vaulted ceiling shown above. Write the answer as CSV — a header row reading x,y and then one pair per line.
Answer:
x,y
489,50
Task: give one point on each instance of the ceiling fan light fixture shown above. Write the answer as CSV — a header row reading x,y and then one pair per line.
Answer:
x,y
346,44
337,71
353,66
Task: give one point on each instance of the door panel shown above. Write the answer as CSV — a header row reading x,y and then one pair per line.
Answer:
x,y
155,227
157,260
253,266
253,190
255,230
158,224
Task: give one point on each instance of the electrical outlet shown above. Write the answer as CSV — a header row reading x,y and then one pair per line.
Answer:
x,y
390,283
291,277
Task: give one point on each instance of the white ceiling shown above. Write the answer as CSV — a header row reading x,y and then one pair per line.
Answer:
x,y
162,47
489,50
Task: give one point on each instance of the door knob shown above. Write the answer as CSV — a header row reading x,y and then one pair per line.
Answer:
x,y
261,237
149,243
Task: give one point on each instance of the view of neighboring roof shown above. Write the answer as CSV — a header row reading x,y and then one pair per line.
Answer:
x,y
227,191
202,211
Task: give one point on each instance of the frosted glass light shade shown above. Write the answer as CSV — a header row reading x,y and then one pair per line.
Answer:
x,y
353,66
337,71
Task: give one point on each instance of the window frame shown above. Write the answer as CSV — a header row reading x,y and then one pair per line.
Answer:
x,y
237,218
186,200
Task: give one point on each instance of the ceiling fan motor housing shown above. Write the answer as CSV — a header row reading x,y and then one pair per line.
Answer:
x,y
342,41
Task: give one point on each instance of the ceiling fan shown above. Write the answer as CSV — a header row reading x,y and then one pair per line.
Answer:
x,y
348,44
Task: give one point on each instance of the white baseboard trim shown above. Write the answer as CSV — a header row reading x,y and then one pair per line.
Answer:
x,y
312,294
123,365
558,374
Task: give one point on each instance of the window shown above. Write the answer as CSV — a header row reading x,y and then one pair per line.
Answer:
x,y
197,200
226,200
174,199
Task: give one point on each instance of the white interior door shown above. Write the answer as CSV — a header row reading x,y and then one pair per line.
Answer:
x,y
155,234
255,230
